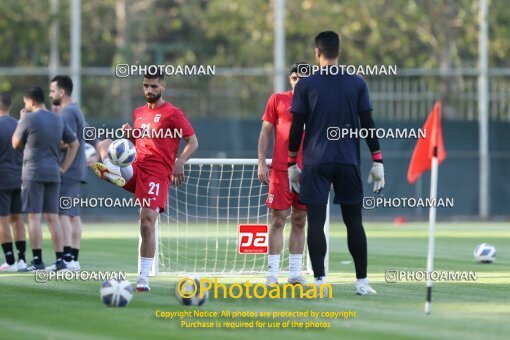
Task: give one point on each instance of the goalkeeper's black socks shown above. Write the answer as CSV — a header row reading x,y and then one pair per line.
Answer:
x,y
21,246
37,256
68,257
356,238
59,255
316,239
75,253
9,254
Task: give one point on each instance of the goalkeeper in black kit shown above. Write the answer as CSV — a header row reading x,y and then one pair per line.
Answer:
x,y
328,102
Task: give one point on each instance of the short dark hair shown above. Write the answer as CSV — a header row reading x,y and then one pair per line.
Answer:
x,y
328,42
5,101
294,67
64,82
36,94
155,75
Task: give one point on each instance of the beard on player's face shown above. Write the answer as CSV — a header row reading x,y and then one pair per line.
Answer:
x,y
56,101
152,97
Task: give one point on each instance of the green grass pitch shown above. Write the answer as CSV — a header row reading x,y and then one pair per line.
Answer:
x,y
461,310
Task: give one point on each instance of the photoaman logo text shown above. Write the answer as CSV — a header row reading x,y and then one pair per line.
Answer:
x,y
251,291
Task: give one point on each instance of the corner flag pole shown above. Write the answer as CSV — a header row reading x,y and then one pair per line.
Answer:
x,y
428,154
432,226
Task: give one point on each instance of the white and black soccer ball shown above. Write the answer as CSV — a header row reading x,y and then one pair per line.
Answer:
x,y
116,293
485,253
188,292
122,152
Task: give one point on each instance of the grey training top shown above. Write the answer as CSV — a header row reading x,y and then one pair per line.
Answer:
x,y
41,132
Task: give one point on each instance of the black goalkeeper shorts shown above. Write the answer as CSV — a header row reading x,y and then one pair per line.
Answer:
x,y
316,181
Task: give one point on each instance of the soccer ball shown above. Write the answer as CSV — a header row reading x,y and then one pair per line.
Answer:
x,y
90,150
122,152
485,253
188,292
116,293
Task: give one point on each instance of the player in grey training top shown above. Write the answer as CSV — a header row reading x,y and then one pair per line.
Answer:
x,y
41,132
10,191
61,88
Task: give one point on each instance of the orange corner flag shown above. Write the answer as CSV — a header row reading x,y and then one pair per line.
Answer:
x,y
424,150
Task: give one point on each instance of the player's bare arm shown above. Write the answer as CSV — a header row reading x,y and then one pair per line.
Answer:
x,y
63,146
189,149
264,138
22,113
16,142
70,155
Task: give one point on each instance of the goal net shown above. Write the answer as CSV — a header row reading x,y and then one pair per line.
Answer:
x,y
198,232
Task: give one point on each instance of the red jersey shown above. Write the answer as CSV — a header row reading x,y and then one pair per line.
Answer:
x,y
278,113
157,147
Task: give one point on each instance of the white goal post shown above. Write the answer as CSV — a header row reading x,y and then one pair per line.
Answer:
x,y
198,231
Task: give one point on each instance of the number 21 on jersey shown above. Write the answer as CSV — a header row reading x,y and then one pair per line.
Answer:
x,y
153,188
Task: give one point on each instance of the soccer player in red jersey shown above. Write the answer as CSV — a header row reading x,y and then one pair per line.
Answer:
x,y
280,198
159,126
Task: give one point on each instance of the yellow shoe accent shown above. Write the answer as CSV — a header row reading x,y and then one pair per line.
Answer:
x,y
103,172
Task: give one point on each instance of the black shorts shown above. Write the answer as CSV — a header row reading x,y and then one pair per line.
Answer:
x,y
40,197
10,202
69,189
316,181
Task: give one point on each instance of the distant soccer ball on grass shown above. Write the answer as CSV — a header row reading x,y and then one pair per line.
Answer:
x,y
485,253
116,293
122,152
188,292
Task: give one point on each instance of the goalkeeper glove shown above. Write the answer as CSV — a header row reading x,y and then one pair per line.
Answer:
x,y
376,176
294,173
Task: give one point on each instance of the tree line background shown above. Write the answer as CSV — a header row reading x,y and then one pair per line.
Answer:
x,y
437,34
